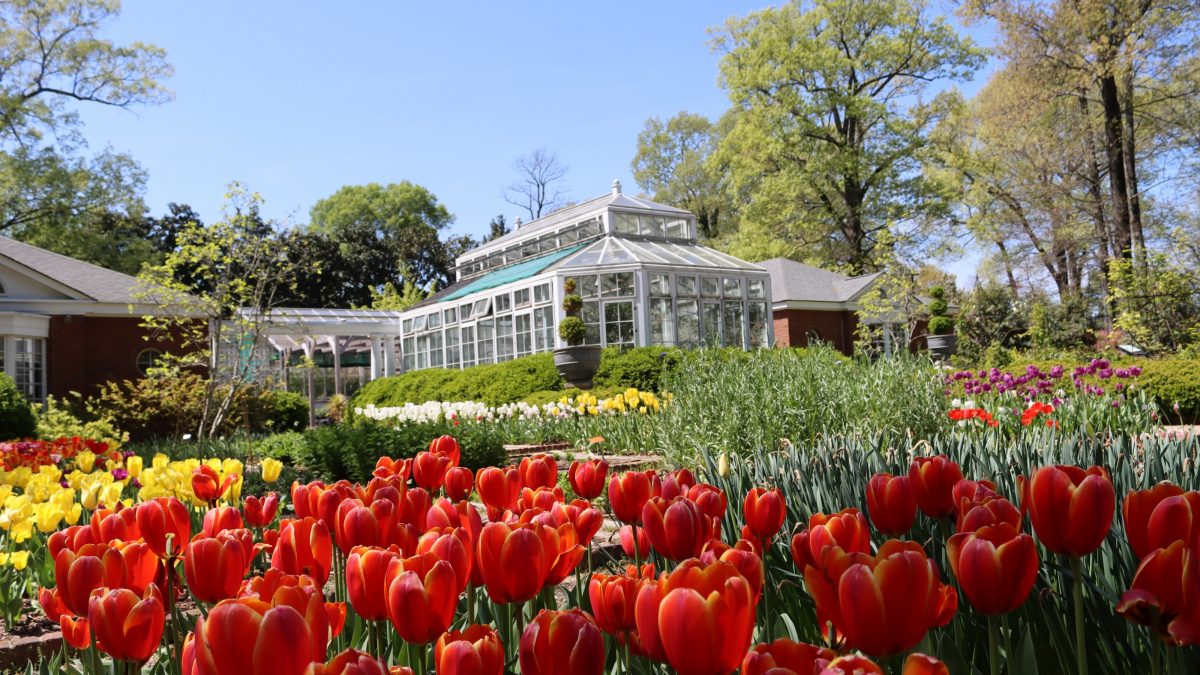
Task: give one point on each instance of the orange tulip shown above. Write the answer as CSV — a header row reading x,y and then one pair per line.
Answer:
x,y
459,483
421,595
920,664
933,480
996,566
498,489
207,484
375,525
743,556
52,603
884,604
699,617
765,511
1158,516
76,632
1071,508
846,529
785,656
350,662
117,523
214,567
366,569
676,528
221,518
445,513
587,477
72,539
127,627
248,636
386,467
892,503
541,498
516,560
562,643
417,503
851,664
161,518
1165,595
121,565
447,446
540,470
260,512
711,501
453,545
325,620
304,547
625,534
476,650
628,493
614,597
429,470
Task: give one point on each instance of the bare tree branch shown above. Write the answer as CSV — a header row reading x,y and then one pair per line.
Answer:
x,y
539,187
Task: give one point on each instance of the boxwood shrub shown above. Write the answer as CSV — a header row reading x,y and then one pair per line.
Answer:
x,y
1171,381
350,450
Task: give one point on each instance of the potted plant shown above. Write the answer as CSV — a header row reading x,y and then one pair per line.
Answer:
x,y
941,341
577,363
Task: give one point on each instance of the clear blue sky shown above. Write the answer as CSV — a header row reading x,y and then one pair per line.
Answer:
x,y
299,99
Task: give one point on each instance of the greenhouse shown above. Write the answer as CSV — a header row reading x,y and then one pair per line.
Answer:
x,y
644,279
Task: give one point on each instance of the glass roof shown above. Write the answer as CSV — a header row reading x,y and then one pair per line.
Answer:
x,y
620,251
504,275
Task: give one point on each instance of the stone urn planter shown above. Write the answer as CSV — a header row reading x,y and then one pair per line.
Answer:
x,y
578,364
942,346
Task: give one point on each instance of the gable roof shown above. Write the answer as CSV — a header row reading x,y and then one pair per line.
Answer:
x,y
88,281
795,281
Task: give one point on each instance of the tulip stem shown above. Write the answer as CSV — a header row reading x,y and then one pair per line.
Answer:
x,y
993,646
470,604
1154,653
637,555
628,658
1080,650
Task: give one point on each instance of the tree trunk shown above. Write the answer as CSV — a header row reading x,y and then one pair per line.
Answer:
x,y
1114,151
1095,192
1129,152
1008,268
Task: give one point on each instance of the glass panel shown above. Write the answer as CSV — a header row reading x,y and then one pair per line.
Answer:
x,y
419,323
28,367
435,350
662,322
453,353
733,288
410,353
660,284
484,345
422,352
450,315
755,288
733,325
524,335
521,297
757,314
541,293
435,320
710,287
626,223
406,326
468,346
482,307
588,287
616,284
590,313
503,302
618,324
543,329
465,311
568,236
590,228
688,323
654,226
504,338
677,227
685,285
712,324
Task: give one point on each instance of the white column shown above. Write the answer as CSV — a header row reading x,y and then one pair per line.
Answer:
x,y
641,308
308,346
335,346
389,355
376,355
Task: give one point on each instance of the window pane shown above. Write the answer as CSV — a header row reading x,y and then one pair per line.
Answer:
x,y
524,328
435,349
662,322
733,288
543,329
685,285
590,313
588,287
450,315
618,324
733,324
484,345
755,288
503,302
688,323
616,284
465,311
521,297
677,227
660,284
482,307
422,351
654,226
504,338
757,314
28,371
406,326
712,324
452,350
710,287
541,293
468,346
435,320
626,223
419,323
410,353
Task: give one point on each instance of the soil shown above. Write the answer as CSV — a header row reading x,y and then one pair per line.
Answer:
x,y
32,622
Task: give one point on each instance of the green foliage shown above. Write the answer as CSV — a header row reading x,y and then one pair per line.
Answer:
x,y
16,415
675,164
1159,304
937,293
643,368
998,356
287,447
989,315
572,303
540,398
941,325
494,383
937,307
55,419
350,451
276,411
1171,381
395,299
1061,325
572,330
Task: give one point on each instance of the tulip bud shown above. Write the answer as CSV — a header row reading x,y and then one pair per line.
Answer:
x,y
723,465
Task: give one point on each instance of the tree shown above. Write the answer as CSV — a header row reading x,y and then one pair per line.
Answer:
x,y
831,123
539,186
675,163
496,229
219,315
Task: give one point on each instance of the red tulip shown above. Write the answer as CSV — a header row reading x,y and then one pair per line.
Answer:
x,y
129,565
851,664
712,501
498,489
1158,516
699,617
587,520
628,494
476,650
892,503
261,512
325,620
375,525
996,566
207,484
429,470
305,498
986,511
304,547
214,568
846,529
516,560
417,503
743,556
541,498
459,483
587,477
643,541
161,518
1071,509
540,470
72,539
386,467
76,632
248,636
562,643
885,604
1165,595
445,514
674,484
785,656
52,603
127,627
116,523
221,518
920,664
614,597
454,545
365,572
448,447
933,480
350,662
765,511
421,595
676,528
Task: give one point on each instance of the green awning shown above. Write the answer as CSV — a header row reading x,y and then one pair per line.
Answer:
x,y
517,272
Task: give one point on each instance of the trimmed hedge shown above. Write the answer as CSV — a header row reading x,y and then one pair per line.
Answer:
x,y
16,415
1171,381
350,451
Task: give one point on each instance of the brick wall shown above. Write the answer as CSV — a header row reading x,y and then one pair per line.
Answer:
x,y
84,352
836,328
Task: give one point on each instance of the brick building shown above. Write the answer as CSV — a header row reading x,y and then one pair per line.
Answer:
x,y
811,304
67,325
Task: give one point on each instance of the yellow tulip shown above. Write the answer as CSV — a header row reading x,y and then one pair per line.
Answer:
x,y
89,496
111,494
73,514
5,491
19,560
21,531
160,461
48,518
270,469
134,466
85,461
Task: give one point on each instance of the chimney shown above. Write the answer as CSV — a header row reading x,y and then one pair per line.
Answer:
x,y
517,224
616,187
